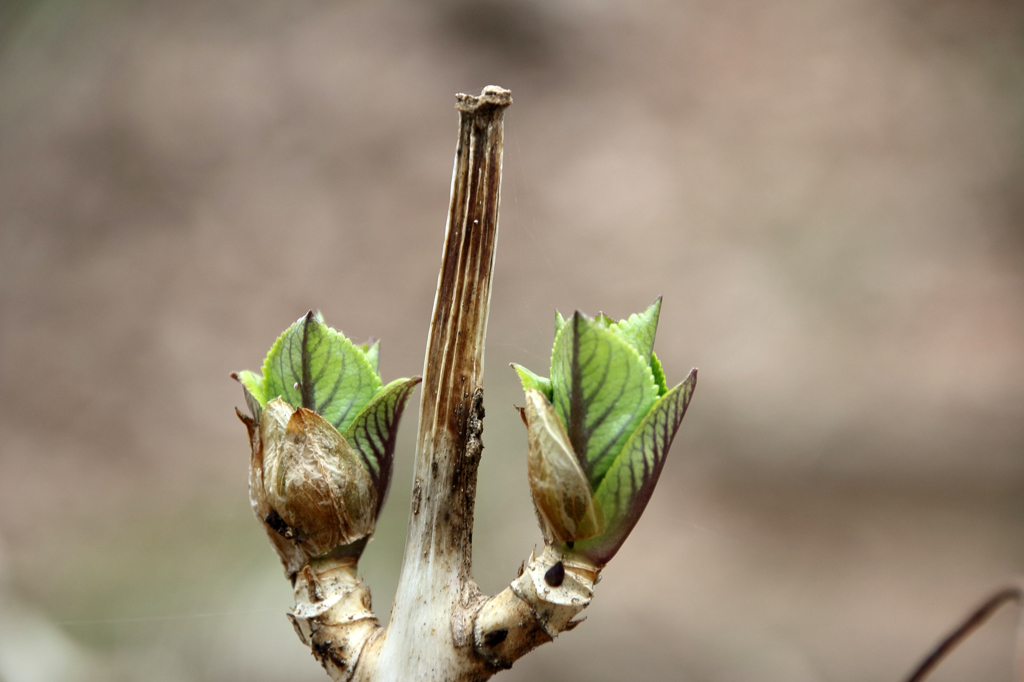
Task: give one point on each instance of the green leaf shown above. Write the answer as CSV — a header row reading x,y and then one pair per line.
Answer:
x,y
559,322
604,321
316,367
632,476
601,390
374,432
534,381
372,353
639,329
659,374
252,389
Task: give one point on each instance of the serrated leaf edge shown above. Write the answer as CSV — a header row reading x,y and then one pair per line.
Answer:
x,y
622,328
381,471
331,335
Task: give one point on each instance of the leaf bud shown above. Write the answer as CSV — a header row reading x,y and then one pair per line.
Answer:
x,y
599,430
323,431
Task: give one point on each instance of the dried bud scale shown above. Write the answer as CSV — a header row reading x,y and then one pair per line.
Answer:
x,y
560,488
314,480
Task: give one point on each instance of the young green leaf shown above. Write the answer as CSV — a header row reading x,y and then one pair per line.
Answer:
x,y
659,374
313,366
531,380
252,388
639,329
374,432
630,481
559,322
601,390
372,353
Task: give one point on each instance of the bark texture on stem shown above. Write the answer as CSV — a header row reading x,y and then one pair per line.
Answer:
x,y
430,635
332,614
539,604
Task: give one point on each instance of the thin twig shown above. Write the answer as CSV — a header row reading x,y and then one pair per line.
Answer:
x,y
972,623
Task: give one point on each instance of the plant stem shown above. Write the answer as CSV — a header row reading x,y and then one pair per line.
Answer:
x,y
430,633
975,620
442,628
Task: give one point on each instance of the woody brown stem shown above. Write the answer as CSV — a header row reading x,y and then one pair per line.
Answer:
x,y
449,446
430,634
541,602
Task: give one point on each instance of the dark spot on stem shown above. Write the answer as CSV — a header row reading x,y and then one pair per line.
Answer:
x,y
327,651
495,637
417,493
555,575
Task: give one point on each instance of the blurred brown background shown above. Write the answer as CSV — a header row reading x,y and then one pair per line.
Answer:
x,y
828,193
